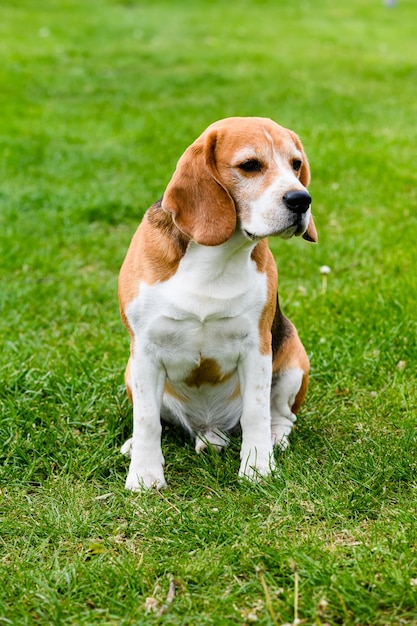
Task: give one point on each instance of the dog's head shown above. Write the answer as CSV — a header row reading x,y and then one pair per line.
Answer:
x,y
245,172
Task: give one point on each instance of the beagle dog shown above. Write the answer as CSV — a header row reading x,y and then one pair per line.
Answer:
x,y
210,348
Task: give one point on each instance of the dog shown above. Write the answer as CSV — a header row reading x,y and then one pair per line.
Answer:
x,y
210,347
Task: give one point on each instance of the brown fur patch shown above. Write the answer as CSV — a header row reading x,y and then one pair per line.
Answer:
x,y
201,206
207,372
154,254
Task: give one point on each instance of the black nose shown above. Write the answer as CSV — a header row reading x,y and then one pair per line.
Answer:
x,y
297,201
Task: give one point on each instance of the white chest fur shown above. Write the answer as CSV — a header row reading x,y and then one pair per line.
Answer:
x,y
198,326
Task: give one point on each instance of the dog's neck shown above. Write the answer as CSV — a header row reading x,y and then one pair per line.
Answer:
x,y
225,261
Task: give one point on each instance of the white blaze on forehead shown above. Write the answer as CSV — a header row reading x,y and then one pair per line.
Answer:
x,y
248,152
285,152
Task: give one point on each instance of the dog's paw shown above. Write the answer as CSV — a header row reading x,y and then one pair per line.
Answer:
x,y
212,438
141,479
280,439
282,424
256,464
126,448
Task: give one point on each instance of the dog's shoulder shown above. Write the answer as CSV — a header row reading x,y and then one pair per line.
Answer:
x,y
154,254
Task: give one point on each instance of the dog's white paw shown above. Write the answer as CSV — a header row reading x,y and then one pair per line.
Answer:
x,y
280,438
126,448
256,464
140,479
212,438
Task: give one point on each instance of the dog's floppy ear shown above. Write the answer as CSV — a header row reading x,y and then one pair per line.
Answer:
x,y
201,207
311,232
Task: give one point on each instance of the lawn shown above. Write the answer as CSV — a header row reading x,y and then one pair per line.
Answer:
x,y
98,99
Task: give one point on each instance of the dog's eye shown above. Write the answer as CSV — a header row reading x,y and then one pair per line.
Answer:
x,y
250,165
296,164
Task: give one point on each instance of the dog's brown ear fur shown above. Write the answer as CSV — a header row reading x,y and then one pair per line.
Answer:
x,y
311,232
201,207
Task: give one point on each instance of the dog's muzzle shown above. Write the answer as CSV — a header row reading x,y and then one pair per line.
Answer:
x,y
298,203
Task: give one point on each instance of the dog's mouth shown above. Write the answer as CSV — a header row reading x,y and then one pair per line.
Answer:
x,y
295,230
251,236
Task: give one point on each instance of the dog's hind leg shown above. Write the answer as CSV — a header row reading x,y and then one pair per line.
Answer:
x,y
290,367
287,394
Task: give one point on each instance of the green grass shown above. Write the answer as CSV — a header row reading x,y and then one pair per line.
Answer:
x,y
98,99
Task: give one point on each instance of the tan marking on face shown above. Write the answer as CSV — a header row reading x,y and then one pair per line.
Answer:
x,y
207,372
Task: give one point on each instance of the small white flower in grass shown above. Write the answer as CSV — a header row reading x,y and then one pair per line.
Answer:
x,y
151,605
413,582
324,271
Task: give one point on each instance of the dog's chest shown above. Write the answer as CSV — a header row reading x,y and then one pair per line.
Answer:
x,y
199,323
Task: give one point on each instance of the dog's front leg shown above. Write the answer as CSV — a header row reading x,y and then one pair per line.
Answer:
x,y
146,466
256,452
